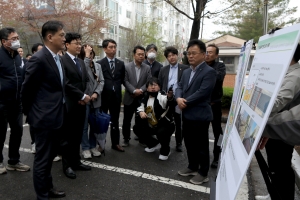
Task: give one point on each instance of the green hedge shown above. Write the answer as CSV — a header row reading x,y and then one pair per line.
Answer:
x,y
227,97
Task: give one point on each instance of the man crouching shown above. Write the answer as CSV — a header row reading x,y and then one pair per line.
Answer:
x,y
154,117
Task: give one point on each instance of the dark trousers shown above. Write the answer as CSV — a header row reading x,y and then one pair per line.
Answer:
x,y
216,126
195,135
113,105
163,133
73,130
32,135
129,111
11,113
178,132
280,163
47,142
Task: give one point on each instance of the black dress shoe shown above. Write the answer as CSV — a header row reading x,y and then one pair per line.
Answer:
x,y
214,164
83,167
118,148
179,148
56,194
70,173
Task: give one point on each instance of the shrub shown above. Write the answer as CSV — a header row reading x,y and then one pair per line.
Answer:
x,y
227,97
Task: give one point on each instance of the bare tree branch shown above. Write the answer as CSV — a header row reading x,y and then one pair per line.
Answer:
x,y
178,10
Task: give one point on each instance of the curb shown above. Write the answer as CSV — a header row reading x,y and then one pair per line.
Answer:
x,y
296,167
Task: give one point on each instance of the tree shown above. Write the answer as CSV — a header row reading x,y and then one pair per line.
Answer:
x,y
29,16
142,33
245,20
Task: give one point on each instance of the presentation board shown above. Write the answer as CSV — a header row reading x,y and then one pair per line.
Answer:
x,y
273,55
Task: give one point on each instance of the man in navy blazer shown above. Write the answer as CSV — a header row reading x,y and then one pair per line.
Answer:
x,y
43,99
193,97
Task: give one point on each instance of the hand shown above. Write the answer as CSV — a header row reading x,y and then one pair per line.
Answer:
x,y
138,92
181,103
94,97
262,143
86,99
88,49
170,94
143,115
81,102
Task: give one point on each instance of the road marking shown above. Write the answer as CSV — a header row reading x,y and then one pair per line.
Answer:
x,y
143,175
24,125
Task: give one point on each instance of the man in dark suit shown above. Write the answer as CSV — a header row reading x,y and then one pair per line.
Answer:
x,y
169,76
212,53
21,52
43,98
151,53
113,73
193,98
76,99
137,74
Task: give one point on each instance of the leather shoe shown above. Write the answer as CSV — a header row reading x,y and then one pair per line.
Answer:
x,y
83,167
56,194
118,148
179,148
70,173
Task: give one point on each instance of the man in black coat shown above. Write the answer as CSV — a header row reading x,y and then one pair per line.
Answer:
x,y
114,73
76,99
43,98
212,53
151,53
169,76
10,103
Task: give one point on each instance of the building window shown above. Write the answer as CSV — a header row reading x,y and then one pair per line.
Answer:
x,y
120,10
229,63
128,14
139,18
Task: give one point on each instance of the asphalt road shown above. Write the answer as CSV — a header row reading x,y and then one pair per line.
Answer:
x,y
134,174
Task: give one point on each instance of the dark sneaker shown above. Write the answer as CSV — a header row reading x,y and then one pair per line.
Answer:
x,y
199,179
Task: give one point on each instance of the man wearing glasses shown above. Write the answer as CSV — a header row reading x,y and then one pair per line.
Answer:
x,y
76,99
193,98
10,102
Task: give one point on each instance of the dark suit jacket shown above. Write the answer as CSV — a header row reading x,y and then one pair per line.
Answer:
x,y
112,80
155,67
42,92
75,81
163,76
197,93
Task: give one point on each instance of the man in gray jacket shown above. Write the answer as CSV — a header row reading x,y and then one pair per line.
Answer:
x,y
137,74
281,127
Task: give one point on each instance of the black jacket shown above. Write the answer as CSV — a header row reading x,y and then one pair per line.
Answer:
x,y
155,67
11,75
217,93
112,80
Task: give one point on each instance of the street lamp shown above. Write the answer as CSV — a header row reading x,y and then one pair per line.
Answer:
x,y
265,16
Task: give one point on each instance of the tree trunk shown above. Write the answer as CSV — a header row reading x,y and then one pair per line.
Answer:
x,y
200,4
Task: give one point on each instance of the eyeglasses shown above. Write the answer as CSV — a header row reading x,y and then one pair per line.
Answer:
x,y
193,53
76,43
14,38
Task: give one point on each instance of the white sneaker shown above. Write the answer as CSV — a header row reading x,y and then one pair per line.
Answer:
x,y
162,157
86,154
95,152
2,169
57,158
18,167
150,150
33,148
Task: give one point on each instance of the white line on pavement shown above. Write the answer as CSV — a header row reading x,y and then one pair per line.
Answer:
x,y
160,179
24,125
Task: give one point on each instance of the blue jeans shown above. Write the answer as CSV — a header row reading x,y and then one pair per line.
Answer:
x,y
88,139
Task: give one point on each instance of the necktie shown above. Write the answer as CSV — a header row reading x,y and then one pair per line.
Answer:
x,y
112,66
59,68
77,64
